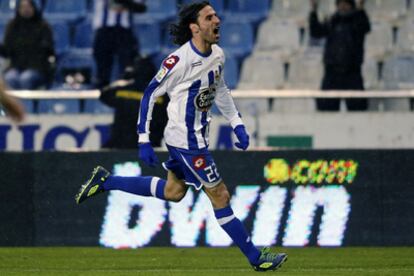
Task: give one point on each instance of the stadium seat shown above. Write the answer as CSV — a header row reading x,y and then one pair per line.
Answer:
x,y
68,10
160,10
386,9
218,5
251,10
61,36
405,38
237,38
371,74
262,71
380,40
283,36
299,9
167,42
80,60
83,34
398,74
58,106
231,72
149,37
94,106
305,71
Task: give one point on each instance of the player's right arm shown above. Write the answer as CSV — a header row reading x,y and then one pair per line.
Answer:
x,y
158,86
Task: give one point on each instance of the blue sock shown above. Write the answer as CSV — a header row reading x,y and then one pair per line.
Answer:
x,y
143,186
235,229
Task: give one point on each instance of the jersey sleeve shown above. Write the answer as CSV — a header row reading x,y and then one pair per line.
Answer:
x,y
158,86
225,103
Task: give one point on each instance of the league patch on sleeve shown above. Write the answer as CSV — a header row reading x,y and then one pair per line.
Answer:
x,y
166,67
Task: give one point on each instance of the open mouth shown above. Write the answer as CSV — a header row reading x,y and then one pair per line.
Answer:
x,y
216,30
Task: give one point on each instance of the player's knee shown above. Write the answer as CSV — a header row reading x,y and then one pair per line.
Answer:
x,y
221,199
176,196
174,192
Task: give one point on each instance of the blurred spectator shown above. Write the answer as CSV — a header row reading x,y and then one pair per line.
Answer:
x,y
345,32
28,43
125,96
114,36
12,106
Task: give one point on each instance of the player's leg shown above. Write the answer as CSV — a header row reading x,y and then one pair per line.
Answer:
x,y
101,180
260,260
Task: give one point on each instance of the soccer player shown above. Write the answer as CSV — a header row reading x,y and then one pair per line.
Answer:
x,y
193,78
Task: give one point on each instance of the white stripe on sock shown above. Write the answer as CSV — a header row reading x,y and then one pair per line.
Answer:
x,y
154,182
225,220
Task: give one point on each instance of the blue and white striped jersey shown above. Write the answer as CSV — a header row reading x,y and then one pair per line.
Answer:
x,y
193,82
107,13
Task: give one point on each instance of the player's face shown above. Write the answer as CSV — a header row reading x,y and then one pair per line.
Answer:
x,y
209,24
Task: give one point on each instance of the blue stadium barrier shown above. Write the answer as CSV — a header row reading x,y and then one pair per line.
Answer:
x,y
28,105
59,106
252,10
237,38
149,37
96,107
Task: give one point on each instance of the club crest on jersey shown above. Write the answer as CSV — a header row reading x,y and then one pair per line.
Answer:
x,y
166,67
199,162
205,98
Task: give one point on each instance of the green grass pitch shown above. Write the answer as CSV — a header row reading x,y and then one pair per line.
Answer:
x,y
202,261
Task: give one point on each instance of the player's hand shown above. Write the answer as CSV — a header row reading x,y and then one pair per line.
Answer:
x,y
147,154
242,136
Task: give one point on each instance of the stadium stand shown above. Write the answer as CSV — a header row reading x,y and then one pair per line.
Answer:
x,y
75,60
83,34
281,36
252,10
61,36
149,35
96,107
275,60
66,10
218,5
237,38
305,70
231,72
379,41
386,9
263,70
405,36
298,9
160,10
398,74
58,106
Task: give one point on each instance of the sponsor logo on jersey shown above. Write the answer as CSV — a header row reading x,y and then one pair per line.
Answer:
x,y
197,63
199,162
205,98
166,67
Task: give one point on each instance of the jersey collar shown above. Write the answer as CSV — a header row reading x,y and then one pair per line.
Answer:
x,y
198,52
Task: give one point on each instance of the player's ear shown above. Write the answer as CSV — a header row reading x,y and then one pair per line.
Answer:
x,y
194,28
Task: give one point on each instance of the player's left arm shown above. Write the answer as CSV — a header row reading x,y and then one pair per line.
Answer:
x,y
228,109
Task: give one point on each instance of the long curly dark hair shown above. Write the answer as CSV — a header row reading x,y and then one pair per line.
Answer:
x,y
188,14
